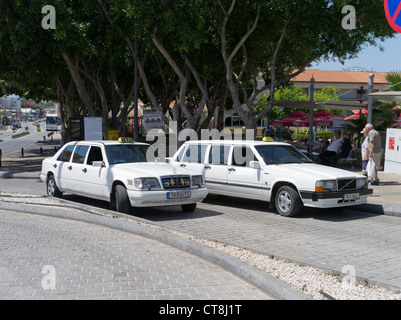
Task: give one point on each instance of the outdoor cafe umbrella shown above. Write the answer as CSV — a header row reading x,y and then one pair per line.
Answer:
x,y
324,119
356,115
295,119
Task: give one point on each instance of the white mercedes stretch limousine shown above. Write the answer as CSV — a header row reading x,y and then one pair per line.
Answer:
x,y
271,171
120,173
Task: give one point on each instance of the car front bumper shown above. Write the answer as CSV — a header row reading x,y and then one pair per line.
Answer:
x,y
334,198
142,198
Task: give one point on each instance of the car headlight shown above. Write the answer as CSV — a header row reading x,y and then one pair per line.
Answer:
x,y
328,185
198,181
147,183
361,183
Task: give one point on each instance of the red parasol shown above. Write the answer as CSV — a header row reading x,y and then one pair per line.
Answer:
x,y
324,118
356,114
295,119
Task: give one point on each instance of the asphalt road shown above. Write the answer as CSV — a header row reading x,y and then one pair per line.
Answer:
x,y
9,145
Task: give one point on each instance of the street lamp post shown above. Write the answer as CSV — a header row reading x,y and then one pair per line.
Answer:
x,y
311,96
371,76
136,91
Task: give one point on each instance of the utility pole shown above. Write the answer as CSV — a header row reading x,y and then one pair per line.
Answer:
x,y
312,99
370,99
136,90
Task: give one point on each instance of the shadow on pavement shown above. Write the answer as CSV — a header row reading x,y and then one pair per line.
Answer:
x,y
150,213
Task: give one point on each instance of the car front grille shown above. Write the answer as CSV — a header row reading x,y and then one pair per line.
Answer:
x,y
346,184
176,182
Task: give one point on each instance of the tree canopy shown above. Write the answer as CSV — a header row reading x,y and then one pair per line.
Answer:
x,y
193,55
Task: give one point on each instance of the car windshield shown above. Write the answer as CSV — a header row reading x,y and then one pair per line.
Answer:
x,y
130,153
278,154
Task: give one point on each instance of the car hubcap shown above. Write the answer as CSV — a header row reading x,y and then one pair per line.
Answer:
x,y
50,187
284,201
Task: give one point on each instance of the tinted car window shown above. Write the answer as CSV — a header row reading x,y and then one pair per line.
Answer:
x,y
66,154
80,154
219,154
195,153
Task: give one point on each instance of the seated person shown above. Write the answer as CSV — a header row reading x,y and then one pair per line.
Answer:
x,y
345,148
332,149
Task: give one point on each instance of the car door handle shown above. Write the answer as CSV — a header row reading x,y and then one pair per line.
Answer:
x,y
69,168
208,167
84,170
231,169
183,165
54,165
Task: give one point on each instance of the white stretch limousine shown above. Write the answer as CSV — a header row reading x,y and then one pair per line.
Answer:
x,y
271,171
121,174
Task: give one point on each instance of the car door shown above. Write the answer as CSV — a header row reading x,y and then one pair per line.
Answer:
x,y
93,177
242,180
60,167
76,168
193,158
216,170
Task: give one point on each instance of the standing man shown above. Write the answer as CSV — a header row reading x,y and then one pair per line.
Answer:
x,y
375,149
364,152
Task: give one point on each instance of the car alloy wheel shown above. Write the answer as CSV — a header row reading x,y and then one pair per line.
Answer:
x,y
288,202
52,189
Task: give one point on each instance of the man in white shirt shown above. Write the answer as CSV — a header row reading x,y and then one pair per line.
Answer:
x,y
364,152
332,149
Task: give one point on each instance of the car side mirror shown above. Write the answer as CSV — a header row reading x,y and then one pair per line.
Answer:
x,y
254,164
169,160
98,164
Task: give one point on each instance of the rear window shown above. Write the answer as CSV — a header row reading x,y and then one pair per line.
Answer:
x,y
195,153
219,154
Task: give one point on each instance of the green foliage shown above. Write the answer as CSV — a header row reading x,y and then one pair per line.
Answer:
x,y
94,33
294,93
19,135
394,80
384,113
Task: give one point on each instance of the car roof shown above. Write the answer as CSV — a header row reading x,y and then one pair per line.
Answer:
x,y
107,142
236,142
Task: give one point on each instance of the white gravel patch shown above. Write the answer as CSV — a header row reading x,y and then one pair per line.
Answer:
x,y
315,282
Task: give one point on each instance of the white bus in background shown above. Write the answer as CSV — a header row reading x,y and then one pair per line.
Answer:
x,y
52,122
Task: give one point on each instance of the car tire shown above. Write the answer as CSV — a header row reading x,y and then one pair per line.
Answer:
x,y
122,203
188,207
288,202
52,189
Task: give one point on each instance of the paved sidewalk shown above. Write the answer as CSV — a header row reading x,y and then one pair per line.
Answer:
x,y
90,261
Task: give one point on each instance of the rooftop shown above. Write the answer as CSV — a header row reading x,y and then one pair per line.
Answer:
x,y
339,76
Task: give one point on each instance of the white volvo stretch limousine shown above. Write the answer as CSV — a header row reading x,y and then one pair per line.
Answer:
x,y
271,171
120,173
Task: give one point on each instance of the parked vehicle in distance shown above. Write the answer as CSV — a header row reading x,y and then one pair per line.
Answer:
x,y
52,122
271,171
15,125
120,173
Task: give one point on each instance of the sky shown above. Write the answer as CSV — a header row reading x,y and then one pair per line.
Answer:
x,y
371,58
